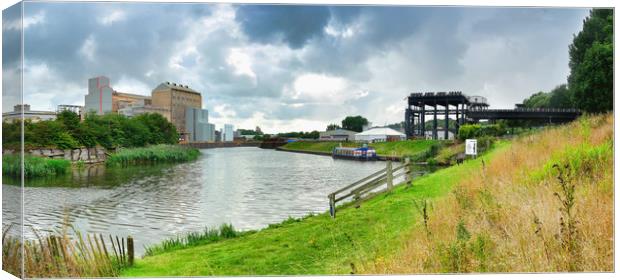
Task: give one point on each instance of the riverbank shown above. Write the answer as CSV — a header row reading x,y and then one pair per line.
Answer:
x,y
316,244
39,166
417,149
496,213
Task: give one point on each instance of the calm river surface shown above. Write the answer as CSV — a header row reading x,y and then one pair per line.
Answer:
x,y
248,187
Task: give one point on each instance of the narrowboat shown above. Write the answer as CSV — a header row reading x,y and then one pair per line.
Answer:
x,y
363,153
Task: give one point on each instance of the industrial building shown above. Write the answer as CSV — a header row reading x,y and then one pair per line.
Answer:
x,y
99,97
176,98
178,103
72,108
141,107
228,133
197,125
102,98
337,135
468,109
379,134
28,114
122,99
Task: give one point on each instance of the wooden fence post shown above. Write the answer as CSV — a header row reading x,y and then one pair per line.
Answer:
x,y
130,250
408,170
332,205
389,174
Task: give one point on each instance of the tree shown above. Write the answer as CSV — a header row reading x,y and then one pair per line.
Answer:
x,y
537,100
354,123
162,131
560,97
332,126
69,119
591,63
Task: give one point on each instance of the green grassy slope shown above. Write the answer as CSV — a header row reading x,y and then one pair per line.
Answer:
x,y
315,245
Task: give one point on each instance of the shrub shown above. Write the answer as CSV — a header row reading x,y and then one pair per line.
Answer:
x,y
470,131
33,166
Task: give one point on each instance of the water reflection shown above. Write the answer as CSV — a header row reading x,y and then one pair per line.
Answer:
x,y
248,187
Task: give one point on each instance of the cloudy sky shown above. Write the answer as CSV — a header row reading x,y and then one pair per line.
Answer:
x,y
290,68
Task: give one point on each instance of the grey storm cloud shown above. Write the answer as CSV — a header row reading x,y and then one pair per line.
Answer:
x,y
293,62
293,24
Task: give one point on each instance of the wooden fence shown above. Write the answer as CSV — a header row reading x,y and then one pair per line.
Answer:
x,y
363,188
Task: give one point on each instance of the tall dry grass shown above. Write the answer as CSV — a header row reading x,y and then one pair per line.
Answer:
x,y
62,255
543,204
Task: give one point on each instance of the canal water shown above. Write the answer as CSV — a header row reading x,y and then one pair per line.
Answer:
x,y
247,187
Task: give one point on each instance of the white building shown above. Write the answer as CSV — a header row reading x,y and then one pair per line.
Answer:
x,y
337,135
229,133
28,114
99,97
380,134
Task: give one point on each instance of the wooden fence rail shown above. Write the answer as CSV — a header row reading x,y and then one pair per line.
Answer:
x,y
362,189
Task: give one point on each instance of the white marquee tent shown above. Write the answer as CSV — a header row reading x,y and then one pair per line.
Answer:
x,y
379,134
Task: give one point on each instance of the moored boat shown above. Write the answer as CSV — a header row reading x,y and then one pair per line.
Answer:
x,y
363,153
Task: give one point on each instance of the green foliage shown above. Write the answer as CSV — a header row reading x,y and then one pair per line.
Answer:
x,y
109,131
354,123
152,154
11,134
470,131
33,166
418,149
332,126
591,63
559,97
303,135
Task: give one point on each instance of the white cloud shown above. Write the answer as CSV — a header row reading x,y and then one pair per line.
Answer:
x,y
319,88
88,48
131,85
28,21
43,91
342,32
112,17
241,62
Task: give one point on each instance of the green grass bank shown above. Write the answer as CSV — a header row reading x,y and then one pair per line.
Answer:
x,y
44,167
313,245
412,148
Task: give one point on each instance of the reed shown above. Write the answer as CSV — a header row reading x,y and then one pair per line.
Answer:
x,y
208,235
62,255
152,154
34,166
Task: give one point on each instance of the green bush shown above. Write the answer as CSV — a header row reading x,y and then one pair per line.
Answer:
x,y
471,131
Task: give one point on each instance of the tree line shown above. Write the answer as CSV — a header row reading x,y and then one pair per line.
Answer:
x,y
111,130
590,82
